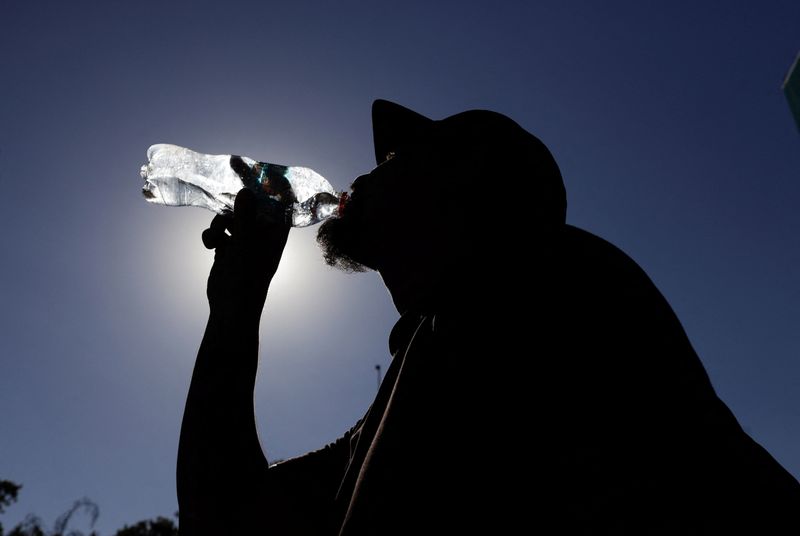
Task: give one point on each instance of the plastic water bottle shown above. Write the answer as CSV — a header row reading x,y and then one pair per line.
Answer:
x,y
176,176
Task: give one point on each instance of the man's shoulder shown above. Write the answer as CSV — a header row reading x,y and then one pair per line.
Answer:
x,y
579,249
580,241
591,270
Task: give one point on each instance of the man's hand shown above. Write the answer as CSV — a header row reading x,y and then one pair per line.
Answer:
x,y
219,447
246,260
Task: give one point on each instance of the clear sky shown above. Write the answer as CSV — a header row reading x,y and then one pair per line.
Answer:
x,y
667,120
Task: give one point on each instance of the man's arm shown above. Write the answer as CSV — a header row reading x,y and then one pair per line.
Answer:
x,y
224,485
221,468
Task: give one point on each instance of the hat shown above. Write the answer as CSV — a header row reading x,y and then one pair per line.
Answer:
x,y
501,141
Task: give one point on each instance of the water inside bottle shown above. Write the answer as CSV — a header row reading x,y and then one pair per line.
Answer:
x,y
176,176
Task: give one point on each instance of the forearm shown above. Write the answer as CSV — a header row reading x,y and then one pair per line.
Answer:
x,y
223,482
221,467
224,485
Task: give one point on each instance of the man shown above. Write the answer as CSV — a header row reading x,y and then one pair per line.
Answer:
x,y
539,383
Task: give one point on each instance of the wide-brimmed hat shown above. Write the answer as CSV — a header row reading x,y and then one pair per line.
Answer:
x,y
500,140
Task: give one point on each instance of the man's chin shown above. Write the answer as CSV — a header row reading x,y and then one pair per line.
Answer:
x,y
343,246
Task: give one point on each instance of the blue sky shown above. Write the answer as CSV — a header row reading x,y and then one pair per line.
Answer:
x,y
666,118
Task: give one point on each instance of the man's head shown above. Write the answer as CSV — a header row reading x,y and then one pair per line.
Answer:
x,y
442,194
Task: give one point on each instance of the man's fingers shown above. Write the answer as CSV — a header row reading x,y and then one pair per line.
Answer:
x,y
246,226
238,165
244,208
270,230
212,239
221,222
215,235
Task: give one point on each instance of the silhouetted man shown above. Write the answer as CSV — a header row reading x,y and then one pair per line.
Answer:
x,y
540,383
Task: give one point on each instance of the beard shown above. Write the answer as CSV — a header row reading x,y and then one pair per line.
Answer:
x,y
342,243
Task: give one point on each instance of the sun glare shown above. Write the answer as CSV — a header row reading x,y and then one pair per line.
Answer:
x,y
180,265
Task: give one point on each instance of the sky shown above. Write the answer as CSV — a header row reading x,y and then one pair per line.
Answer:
x,y
667,120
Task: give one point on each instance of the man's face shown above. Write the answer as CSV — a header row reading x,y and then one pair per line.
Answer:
x,y
389,214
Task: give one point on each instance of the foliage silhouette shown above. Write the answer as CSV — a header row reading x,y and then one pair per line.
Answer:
x,y
33,525
8,493
160,526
